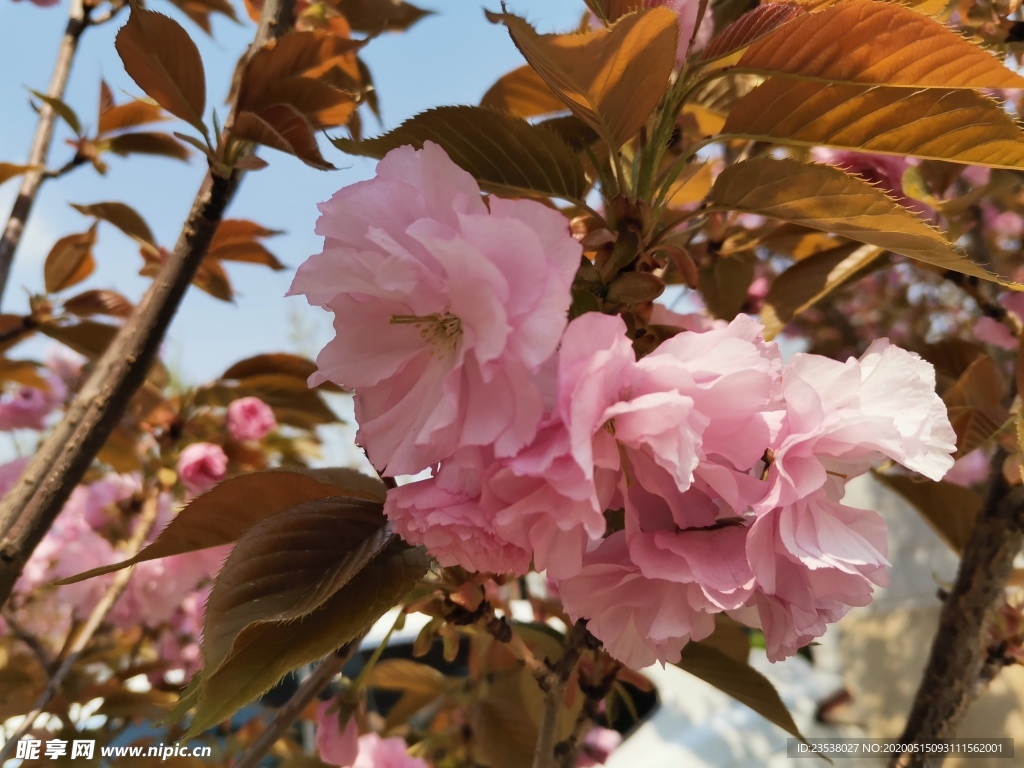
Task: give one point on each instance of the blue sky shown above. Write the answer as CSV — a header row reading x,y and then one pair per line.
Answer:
x,y
451,57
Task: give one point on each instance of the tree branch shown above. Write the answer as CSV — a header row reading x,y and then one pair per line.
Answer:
x,y
78,20
958,666
83,634
553,686
28,510
329,668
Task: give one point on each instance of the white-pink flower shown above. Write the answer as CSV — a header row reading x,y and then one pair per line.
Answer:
x,y
249,418
445,307
28,407
201,466
375,752
334,745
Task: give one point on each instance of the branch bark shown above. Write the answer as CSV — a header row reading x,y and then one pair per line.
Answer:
x,y
83,634
959,665
28,510
553,684
78,21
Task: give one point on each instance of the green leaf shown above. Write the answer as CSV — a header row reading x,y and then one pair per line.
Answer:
x,y
742,682
829,199
950,509
226,511
288,565
504,153
62,109
263,653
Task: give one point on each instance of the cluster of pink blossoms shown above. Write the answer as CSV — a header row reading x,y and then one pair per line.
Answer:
x,y
706,477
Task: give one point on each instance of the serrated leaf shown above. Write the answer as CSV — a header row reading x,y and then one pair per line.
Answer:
x,y
264,653
288,565
522,93
98,302
374,16
827,198
950,509
503,153
225,512
62,109
749,27
740,681
10,170
70,261
809,281
122,216
135,112
612,78
284,128
164,62
145,143
954,125
613,10
872,43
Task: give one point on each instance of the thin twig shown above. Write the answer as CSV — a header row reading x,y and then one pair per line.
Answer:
x,y
956,668
78,20
83,634
29,508
284,717
553,686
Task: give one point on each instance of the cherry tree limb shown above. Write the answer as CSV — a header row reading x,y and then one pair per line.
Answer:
x,y
29,508
78,21
553,686
82,635
960,664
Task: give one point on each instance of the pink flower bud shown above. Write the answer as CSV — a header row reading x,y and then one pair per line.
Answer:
x,y
250,419
201,466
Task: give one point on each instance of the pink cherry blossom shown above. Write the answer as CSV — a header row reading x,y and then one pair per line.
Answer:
x,y
445,307
598,746
991,331
28,407
334,745
842,417
971,469
249,418
375,752
201,466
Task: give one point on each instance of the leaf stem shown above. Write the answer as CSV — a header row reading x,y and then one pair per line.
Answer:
x,y
30,507
78,20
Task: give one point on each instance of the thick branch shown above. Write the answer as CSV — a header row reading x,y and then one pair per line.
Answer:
x,y
956,668
553,686
83,634
78,20
329,668
30,507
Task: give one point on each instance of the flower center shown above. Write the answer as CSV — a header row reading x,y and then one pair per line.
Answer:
x,y
441,330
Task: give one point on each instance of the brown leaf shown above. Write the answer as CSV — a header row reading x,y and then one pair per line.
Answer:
x,y
225,512
24,372
274,363
128,115
99,302
85,337
288,565
522,93
374,16
975,404
725,282
145,143
283,128
263,653
212,279
164,62
70,261
950,509
611,78
749,27
66,113
122,216
10,170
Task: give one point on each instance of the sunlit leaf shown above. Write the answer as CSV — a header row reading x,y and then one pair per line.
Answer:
x,y
742,682
226,511
872,43
375,16
522,93
950,509
85,337
237,240
263,653
70,261
809,281
612,78
98,302
283,128
749,27
212,279
10,170
164,62
62,109
122,216
827,198
288,565
136,112
955,125
691,187
145,143
503,153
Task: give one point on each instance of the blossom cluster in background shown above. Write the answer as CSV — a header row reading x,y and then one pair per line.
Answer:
x,y
705,477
